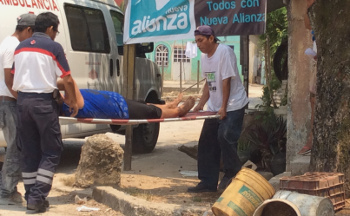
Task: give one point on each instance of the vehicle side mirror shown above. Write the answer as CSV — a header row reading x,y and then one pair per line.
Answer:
x,y
120,50
141,49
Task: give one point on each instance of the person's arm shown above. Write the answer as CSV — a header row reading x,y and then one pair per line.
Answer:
x,y
80,99
204,98
307,23
226,86
70,97
9,81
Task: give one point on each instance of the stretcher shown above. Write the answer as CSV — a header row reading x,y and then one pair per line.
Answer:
x,y
189,116
130,122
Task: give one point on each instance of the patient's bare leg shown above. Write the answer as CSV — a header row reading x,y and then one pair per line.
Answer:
x,y
175,103
187,106
176,111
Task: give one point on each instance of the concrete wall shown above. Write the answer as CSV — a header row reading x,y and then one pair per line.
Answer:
x,y
300,67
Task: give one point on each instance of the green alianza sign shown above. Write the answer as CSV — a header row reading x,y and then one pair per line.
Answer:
x,y
161,20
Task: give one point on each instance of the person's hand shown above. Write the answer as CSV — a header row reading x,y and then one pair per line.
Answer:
x,y
73,106
197,108
73,109
222,113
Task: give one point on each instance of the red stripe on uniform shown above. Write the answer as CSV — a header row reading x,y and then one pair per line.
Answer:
x,y
45,52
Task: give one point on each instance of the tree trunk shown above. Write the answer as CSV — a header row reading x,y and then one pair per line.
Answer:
x,y
268,71
331,148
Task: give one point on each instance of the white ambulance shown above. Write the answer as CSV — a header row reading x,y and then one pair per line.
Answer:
x,y
91,33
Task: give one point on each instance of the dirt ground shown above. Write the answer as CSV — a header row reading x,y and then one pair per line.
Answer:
x,y
161,175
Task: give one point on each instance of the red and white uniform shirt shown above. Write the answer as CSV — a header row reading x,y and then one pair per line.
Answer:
x,y
39,61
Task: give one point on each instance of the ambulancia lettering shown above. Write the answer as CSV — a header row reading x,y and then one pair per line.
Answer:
x,y
38,4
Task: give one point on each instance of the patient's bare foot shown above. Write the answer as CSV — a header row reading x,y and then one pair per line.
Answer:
x,y
186,106
175,102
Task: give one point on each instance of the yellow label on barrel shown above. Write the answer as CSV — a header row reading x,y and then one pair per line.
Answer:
x,y
236,208
250,196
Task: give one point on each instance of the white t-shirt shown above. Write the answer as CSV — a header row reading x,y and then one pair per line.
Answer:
x,y
7,50
222,65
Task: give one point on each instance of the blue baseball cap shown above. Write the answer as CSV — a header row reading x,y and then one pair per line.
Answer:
x,y
205,30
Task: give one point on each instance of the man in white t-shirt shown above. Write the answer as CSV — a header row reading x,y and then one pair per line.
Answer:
x,y
11,172
224,93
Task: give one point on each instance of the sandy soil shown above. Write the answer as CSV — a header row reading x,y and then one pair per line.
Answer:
x,y
62,196
159,176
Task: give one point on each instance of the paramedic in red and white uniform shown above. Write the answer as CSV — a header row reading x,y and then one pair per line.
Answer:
x,y
39,61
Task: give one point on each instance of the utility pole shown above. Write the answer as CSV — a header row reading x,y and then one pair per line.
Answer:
x,y
128,92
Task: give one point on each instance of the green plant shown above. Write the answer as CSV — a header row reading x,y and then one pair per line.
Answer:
x,y
276,32
268,137
243,144
266,98
284,100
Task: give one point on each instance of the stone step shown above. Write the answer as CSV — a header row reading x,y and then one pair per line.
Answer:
x,y
300,165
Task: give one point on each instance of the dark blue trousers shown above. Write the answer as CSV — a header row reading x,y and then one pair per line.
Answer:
x,y
40,143
219,138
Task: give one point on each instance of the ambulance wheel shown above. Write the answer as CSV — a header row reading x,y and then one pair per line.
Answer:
x,y
145,138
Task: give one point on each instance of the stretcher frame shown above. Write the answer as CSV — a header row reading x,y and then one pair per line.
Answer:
x,y
129,122
189,116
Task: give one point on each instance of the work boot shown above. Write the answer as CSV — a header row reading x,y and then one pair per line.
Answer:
x,y
201,187
12,199
46,203
226,180
36,208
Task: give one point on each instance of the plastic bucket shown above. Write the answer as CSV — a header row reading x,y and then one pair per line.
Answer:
x,y
277,207
308,205
245,193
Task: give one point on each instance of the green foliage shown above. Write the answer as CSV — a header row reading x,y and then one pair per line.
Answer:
x,y
266,97
243,144
284,100
276,28
269,135
276,31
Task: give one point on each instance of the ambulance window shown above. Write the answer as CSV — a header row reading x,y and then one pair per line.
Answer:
x,y
118,21
87,29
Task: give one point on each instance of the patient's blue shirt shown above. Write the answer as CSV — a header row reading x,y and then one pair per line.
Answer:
x,y
101,104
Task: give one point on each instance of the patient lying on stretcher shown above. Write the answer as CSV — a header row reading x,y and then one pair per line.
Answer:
x,y
111,105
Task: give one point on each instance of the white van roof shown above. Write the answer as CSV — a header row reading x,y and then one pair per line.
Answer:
x,y
109,2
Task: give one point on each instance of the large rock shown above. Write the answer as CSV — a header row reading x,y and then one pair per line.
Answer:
x,y
100,162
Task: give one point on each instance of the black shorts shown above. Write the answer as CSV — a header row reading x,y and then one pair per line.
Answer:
x,y
141,110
